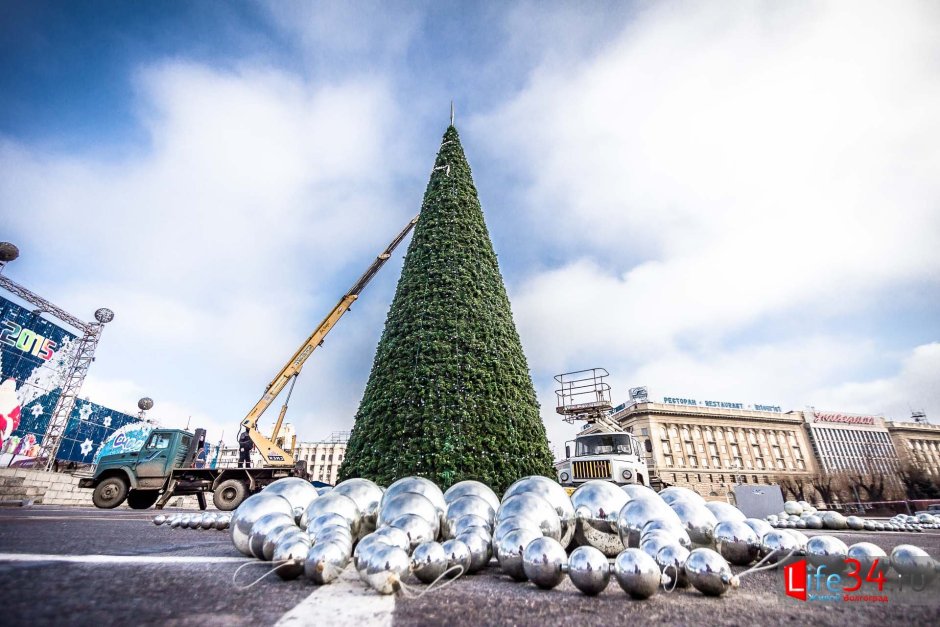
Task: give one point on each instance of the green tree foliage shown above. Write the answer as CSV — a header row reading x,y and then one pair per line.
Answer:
x,y
449,396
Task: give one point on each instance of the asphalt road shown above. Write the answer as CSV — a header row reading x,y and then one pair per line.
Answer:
x,y
185,577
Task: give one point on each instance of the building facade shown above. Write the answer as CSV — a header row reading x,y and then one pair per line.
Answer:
x,y
917,444
850,443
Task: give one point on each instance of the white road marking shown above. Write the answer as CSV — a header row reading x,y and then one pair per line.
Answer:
x,y
109,518
345,602
122,559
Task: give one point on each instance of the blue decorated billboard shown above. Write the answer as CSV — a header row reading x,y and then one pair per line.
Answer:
x,y
34,361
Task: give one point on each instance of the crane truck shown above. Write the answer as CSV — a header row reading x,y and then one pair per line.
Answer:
x,y
164,466
602,450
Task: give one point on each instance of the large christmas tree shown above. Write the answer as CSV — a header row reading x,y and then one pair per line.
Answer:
x,y
449,396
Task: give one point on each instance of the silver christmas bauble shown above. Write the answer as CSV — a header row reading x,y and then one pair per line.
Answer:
x,y
867,554
596,506
675,530
207,521
814,522
471,488
251,509
588,570
637,491
855,523
265,526
636,513
510,524
509,551
760,527
737,542
458,554
555,495
366,495
697,520
676,494
393,536
777,545
652,542
298,492
385,567
419,485
543,562
637,573
174,521
834,520
325,562
793,508
480,544
468,505
827,551
159,519
708,572
533,508
470,521
725,511
671,561
801,540
275,537
333,503
365,547
329,519
911,560
428,561
339,534
416,528
409,503
290,555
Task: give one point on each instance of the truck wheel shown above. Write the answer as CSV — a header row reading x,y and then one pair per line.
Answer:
x,y
229,494
110,493
142,499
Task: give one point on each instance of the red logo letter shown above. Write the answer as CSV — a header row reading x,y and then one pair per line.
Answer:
x,y
794,579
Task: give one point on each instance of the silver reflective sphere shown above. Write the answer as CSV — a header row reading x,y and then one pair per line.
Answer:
x,y
651,543
510,524
709,573
671,561
637,573
588,570
365,547
251,509
333,503
673,529
325,562
207,521
814,522
366,495
480,544
298,492
174,522
159,519
737,542
596,506
428,561
290,555
534,509
409,503
265,526
793,508
636,513
470,521
333,533
910,560
759,526
543,560
418,485
330,519
867,554
637,491
416,528
827,551
697,520
393,536
555,495
274,539
458,554
675,494
471,488
778,545
855,523
834,520
509,551
385,568
801,540
725,511
468,505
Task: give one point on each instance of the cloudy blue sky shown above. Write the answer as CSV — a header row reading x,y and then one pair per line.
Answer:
x,y
736,201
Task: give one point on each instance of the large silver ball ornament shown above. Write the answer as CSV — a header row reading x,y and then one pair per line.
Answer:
x,y
470,521
827,551
325,562
793,508
385,567
814,522
671,561
338,534
428,561
274,539
555,495
636,513
329,519
588,570
458,554
855,523
651,543
801,540
737,542
468,505
419,485
290,555
675,494
913,561
366,495
866,554
509,550
725,511
777,546
834,520
637,573
597,505
333,503
543,562
251,509
393,536
697,520
637,491
264,526
760,527
673,529
480,544
416,528
409,503
471,488
709,573
159,519
298,492
534,509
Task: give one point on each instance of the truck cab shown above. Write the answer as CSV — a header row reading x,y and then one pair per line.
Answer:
x,y
615,457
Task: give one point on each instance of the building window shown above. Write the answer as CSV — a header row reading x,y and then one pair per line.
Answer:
x,y
693,462
685,433
668,460
716,462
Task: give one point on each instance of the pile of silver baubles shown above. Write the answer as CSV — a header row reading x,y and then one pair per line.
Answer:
x,y
802,515
536,532
195,520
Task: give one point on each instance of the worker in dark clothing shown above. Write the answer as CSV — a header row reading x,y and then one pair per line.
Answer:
x,y
244,449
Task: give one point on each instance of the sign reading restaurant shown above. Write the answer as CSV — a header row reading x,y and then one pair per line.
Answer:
x,y
843,418
673,400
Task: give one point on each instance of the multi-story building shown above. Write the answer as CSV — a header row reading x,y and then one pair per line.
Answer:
x,y
850,443
711,446
917,444
324,458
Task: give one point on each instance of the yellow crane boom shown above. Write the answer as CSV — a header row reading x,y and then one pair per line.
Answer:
x,y
271,453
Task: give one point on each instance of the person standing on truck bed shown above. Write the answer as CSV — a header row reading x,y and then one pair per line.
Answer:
x,y
244,449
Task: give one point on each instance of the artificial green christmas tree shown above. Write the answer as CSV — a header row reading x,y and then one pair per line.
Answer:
x,y
449,396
